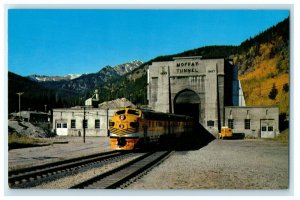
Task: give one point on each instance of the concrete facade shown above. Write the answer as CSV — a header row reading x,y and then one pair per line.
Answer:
x,y
192,86
255,122
70,121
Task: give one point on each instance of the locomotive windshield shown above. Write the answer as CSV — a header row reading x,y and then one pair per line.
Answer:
x,y
133,112
120,112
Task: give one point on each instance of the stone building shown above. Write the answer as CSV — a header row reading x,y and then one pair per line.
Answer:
x,y
73,121
203,89
193,86
94,121
255,122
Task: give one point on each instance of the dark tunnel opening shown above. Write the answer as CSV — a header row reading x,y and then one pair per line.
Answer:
x,y
188,109
187,102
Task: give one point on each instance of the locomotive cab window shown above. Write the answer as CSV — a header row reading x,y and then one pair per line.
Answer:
x,y
120,112
133,112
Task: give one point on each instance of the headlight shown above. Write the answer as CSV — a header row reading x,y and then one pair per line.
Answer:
x,y
122,117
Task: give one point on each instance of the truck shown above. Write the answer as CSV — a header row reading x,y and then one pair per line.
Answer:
x,y
227,133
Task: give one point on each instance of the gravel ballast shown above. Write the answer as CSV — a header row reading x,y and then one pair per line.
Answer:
x,y
222,164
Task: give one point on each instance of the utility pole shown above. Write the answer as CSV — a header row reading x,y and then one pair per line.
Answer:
x,y
169,90
20,93
84,123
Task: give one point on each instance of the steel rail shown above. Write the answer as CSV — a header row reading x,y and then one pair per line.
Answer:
x,y
29,174
119,176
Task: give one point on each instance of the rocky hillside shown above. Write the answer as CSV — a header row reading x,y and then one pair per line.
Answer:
x,y
119,69
43,78
86,83
127,67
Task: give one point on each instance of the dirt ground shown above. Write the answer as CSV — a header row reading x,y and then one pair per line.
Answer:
x,y
63,148
222,164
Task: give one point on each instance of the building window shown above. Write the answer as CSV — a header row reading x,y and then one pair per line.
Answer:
x,y
230,123
85,123
73,123
210,123
247,123
263,128
97,123
65,125
270,128
58,125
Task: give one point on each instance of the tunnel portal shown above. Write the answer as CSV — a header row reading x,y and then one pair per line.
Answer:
x,y
187,102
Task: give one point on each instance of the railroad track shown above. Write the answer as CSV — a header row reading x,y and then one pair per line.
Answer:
x,y
123,175
32,176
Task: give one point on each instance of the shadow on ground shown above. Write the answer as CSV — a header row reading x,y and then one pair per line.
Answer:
x,y
196,140
15,145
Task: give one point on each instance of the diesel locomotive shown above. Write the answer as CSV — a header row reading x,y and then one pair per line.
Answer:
x,y
132,128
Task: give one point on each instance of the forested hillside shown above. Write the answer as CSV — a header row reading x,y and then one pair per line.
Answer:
x,y
264,67
34,96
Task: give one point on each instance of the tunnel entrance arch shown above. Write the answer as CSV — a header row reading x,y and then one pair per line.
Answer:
x,y
187,102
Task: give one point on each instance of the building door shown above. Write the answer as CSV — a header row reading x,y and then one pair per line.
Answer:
x,y
267,128
61,128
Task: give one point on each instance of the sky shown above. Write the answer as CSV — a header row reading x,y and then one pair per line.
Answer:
x,y
76,41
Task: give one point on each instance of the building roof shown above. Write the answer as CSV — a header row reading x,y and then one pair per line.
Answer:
x,y
117,103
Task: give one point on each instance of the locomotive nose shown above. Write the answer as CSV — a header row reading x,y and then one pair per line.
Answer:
x,y
121,142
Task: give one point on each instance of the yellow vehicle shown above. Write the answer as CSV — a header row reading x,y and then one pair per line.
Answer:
x,y
132,128
227,133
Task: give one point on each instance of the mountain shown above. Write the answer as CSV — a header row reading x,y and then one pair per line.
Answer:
x,y
34,96
127,67
60,91
119,69
43,78
86,83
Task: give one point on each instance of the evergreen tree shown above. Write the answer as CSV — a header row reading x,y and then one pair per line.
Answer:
x,y
285,87
273,93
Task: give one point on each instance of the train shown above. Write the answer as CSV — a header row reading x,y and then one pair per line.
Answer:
x,y
132,128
